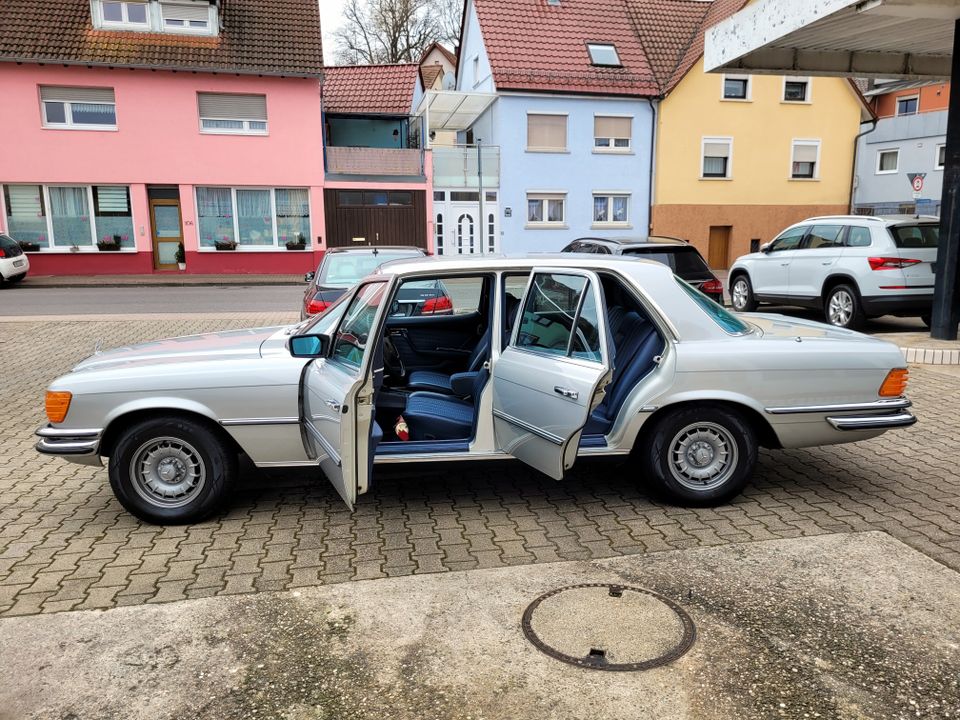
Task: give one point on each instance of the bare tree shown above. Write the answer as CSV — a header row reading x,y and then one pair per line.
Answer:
x,y
386,31
449,15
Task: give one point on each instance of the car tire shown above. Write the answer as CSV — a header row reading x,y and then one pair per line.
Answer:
x,y
16,279
927,319
842,307
171,470
741,294
699,456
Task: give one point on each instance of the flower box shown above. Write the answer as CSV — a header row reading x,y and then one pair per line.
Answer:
x,y
225,245
108,247
296,245
29,246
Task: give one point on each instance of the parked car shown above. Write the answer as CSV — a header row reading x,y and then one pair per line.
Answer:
x,y
14,263
850,266
679,255
571,357
341,268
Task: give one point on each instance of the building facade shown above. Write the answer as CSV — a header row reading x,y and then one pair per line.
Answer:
x,y
144,124
909,140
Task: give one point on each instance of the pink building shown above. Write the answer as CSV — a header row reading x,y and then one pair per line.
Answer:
x,y
131,126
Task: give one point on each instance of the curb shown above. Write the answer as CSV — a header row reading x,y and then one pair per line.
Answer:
x,y
930,356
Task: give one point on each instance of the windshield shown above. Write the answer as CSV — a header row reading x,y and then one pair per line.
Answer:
x,y
726,320
916,236
348,268
684,261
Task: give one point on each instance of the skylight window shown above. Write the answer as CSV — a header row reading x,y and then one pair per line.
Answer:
x,y
604,54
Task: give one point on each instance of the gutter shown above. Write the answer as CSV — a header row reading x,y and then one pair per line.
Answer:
x,y
653,161
856,148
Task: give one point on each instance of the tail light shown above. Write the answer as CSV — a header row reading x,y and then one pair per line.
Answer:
x,y
715,287
57,404
3,253
436,305
891,263
895,383
317,305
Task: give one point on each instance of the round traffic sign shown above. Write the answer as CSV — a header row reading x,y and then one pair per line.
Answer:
x,y
918,183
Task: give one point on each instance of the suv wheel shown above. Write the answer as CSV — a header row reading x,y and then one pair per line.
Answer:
x,y
741,294
842,307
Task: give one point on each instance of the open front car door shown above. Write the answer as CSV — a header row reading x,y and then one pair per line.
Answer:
x,y
553,373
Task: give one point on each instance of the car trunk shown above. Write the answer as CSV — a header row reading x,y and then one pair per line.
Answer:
x,y
917,242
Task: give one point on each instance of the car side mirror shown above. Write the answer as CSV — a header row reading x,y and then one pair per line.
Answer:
x,y
310,346
765,248
309,277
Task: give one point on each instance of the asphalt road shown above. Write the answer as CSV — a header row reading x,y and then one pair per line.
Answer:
x,y
138,300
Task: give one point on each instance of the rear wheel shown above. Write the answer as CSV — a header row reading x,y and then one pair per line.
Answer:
x,y
699,455
741,294
927,320
171,470
17,279
842,307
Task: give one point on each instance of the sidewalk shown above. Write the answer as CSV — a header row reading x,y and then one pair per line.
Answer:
x,y
170,279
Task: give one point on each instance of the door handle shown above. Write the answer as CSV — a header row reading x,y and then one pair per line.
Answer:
x,y
784,264
333,405
566,392
828,262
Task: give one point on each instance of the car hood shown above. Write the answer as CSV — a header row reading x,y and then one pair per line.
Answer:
x,y
225,345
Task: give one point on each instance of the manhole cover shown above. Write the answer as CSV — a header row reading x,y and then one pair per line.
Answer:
x,y
608,627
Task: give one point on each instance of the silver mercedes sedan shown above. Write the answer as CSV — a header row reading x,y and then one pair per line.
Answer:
x,y
544,359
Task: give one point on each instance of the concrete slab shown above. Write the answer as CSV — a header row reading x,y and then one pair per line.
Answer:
x,y
841,626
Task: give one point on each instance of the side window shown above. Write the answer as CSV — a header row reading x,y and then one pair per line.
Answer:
x,y
433,296
824,236
601,249
790,240
858,237
350,343
560,317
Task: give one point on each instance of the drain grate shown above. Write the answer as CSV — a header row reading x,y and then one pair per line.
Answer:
x,y
603,626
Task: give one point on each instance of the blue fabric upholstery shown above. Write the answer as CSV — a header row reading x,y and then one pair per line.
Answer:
x,y
440,382
432,416
636,344
462,384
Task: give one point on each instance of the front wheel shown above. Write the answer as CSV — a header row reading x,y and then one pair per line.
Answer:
x,y
741,294
842,308
171,470
699,456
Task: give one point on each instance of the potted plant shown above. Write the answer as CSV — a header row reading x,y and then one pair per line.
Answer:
x,y
29,246
109,244
181,257
298,243
74,248
225,244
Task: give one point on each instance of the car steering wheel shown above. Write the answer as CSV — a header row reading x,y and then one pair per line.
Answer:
x,y
392,360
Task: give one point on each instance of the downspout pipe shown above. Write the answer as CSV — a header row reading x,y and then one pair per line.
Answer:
x,y
653,161
856,151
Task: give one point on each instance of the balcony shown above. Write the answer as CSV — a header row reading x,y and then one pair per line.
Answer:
x,y
375,161
457,166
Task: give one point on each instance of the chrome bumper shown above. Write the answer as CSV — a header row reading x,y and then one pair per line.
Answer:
x,y
78,446
872,422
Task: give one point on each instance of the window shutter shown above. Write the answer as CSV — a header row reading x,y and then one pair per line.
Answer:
x,y
25,200
112,199
219,106
611,127
76,94
716,149
805,153
174,11
548,132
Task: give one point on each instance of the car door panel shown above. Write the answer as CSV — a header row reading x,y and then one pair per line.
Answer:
x,y
542,394
820,251
435,343
769,273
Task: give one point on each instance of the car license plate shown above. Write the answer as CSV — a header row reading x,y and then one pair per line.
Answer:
x,y
933,268
18,263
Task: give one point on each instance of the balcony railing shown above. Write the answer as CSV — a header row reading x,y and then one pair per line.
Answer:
x,y
456,166
374,161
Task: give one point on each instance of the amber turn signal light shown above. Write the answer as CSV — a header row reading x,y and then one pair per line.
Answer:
x,y
57,405
895,383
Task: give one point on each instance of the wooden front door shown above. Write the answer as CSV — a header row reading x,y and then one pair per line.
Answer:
x,y
167,229
375,217
718,247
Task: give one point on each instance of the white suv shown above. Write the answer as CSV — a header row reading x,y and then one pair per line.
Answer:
x,y
851,266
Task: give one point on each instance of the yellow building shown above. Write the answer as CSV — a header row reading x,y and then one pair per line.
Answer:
x,y
739,157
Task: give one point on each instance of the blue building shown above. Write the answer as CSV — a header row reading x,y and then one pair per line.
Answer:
x,y
573,118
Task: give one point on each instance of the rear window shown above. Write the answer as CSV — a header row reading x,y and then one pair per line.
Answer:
x,y
8,243
684,261
727,321
346,269
916,236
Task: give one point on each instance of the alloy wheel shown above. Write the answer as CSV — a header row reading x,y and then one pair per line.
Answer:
x,y
840,308
703,455
167,472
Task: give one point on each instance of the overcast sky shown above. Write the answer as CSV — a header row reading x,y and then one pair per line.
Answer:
x,y
330,18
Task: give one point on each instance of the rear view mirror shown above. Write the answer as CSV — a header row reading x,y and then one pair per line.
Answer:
x,y
309,277
309,346
765,248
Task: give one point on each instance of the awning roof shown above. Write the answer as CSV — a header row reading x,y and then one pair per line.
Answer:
x,y
452,110
860,38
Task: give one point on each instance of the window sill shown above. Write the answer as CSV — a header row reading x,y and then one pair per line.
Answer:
x,y
714,179
546,226
604,151
82,251
796,102
240,133
254,249
94,128
887,172
793,179
558,151
736,100
612,226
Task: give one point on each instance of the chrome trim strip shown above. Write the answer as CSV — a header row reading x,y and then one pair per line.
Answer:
x,y
260,421
440,457
327,447
53,432
893,404
286,463
85,447
872,422
548,436
603,451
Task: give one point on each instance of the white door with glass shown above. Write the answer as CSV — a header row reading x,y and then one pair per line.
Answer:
x,y
458,227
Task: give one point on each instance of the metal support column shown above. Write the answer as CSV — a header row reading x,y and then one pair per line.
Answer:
x,y
482,224
946,308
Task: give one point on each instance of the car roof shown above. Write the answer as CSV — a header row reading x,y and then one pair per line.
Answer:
x,y
370,249
480,263
887,220
650,241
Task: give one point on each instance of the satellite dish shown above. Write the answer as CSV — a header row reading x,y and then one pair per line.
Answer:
x,y
449,81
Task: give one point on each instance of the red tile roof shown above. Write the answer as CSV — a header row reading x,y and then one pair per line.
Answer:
x,y
370,89
429,74
451,57
257,37
536,46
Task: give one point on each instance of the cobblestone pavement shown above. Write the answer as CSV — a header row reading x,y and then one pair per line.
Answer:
x,y
65,543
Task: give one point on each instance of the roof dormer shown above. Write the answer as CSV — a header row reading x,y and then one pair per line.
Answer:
x,y
190,17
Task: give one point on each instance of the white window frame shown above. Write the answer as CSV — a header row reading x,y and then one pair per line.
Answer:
x,y
564,149
48,217
703,146
736,76
937,166
185,29
155,21
124,24
808,96
880,153
901,98
245,130
68,114
610,195
612,46
545,196
611,148
816,142
277,246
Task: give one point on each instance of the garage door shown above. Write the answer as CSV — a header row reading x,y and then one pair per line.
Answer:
x,y
375,217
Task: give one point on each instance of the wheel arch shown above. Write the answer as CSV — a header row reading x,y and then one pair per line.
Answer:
x,y
837,279
766,435
127,415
